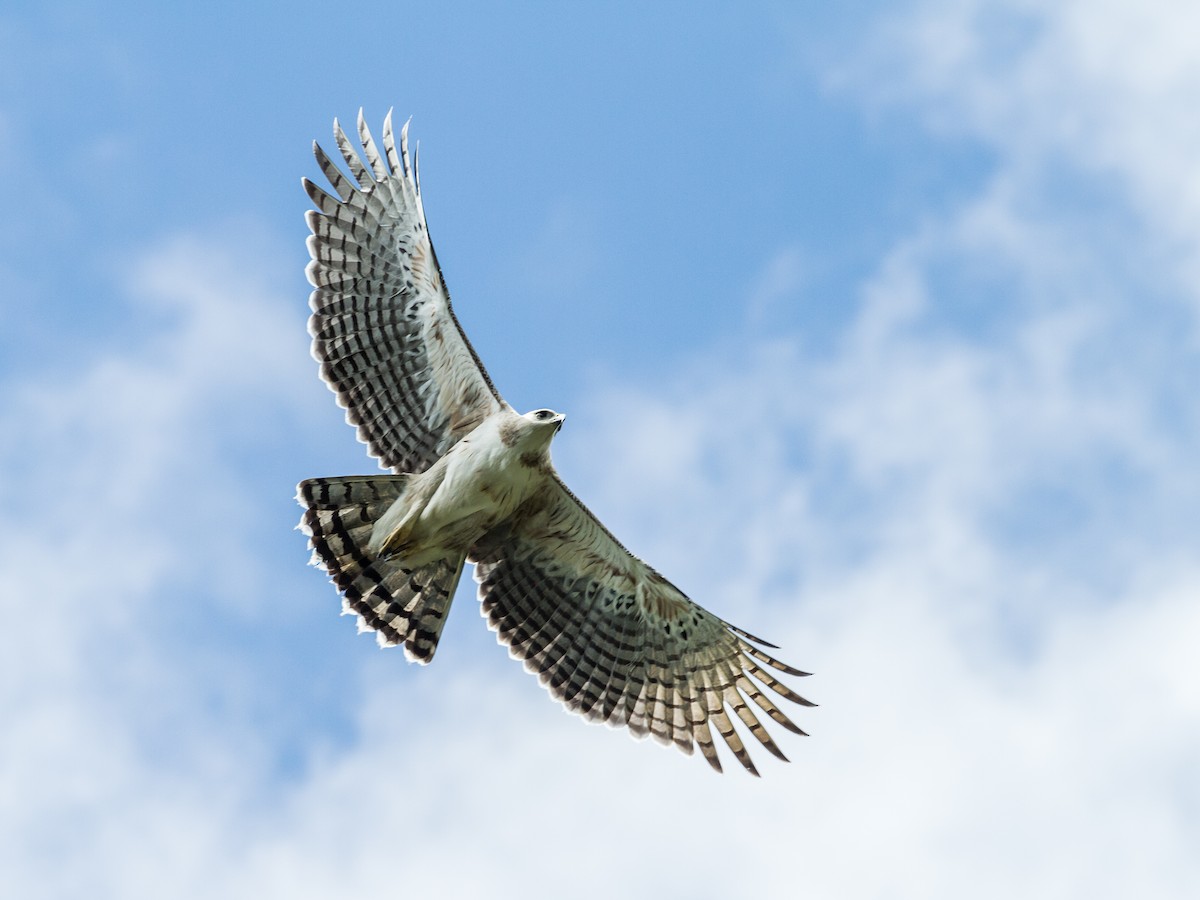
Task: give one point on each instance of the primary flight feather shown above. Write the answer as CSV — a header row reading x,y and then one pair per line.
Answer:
x,y
606,634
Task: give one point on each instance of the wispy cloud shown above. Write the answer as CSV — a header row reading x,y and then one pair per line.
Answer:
x,y
1081,91
128,525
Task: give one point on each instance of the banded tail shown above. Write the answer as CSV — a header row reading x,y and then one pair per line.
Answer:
x,y
402,605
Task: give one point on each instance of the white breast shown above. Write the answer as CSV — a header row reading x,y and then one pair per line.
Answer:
x,y
478,483
484,482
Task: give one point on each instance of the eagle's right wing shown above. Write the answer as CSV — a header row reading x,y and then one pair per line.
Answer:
x,y
383,331
615,641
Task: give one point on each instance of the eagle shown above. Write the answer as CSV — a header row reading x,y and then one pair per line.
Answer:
x,y
471,481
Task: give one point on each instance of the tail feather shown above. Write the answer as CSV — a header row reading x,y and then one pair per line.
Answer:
x,y
401,603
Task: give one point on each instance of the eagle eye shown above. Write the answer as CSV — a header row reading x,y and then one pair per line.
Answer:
x,y
543,414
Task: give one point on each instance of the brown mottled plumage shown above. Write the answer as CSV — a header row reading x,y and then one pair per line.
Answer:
x,y
607,635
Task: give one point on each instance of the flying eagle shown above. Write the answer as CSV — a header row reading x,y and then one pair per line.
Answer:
x,y
606,634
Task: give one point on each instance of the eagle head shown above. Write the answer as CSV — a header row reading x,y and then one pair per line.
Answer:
x,y
544,421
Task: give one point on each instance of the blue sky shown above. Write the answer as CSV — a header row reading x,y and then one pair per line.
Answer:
x,y
878,333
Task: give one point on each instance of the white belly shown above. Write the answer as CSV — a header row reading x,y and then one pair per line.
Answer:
x,y
480,479
477,484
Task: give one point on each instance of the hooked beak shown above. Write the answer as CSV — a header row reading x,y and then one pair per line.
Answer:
x,y
558,422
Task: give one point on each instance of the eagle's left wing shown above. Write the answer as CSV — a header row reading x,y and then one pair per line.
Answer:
x,y
383,329
615,641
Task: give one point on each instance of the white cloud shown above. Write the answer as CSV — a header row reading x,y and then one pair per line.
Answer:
x,y
1100,90
122,507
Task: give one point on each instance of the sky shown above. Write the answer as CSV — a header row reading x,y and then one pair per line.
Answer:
x,y
878,330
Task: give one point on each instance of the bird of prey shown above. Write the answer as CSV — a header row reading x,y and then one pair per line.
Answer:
x,y
606,634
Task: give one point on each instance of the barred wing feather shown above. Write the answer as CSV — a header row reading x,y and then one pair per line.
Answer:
x,y
615,641
383,329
